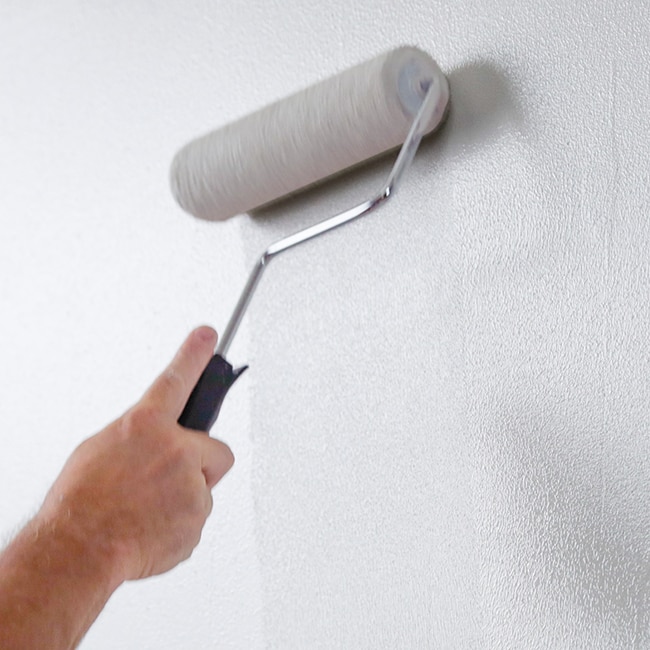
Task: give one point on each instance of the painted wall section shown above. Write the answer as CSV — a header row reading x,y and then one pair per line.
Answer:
x,y
443,438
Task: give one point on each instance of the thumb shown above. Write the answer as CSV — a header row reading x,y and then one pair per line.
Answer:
x,y
171,390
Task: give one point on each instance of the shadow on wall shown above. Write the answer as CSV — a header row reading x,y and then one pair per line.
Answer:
x,y
574,535
482,108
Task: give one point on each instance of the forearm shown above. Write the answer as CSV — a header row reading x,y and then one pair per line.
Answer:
x,y
53,584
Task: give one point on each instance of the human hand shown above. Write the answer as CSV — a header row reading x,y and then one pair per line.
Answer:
x,y
140,490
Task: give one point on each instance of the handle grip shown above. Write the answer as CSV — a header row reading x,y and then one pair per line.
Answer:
x,y
204,403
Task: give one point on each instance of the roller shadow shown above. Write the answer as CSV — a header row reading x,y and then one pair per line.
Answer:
x,y
482,107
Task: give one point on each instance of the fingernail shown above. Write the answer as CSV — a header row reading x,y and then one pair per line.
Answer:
x,y
207,334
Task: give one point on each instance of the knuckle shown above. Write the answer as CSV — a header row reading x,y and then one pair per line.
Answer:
x,y
199,503
172,380
198,511
179,456
189,541
140,419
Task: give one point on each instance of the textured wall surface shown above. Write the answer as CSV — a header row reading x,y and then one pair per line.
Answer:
x,y
443,438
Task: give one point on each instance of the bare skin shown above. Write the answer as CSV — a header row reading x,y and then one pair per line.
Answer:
x,y
129,503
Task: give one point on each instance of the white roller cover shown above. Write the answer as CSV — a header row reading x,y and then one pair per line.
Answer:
x,y
306,137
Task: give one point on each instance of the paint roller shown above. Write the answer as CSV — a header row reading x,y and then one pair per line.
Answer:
x,y
394,99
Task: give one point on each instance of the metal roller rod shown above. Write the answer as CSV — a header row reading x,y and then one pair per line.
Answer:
x,y
404,159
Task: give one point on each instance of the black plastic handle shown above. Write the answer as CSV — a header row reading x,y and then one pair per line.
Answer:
x,y
203,406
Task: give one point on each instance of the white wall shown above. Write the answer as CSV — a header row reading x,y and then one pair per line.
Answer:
x,y
443,438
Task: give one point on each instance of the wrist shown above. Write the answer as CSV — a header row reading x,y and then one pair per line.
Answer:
x,y
81,543
54,581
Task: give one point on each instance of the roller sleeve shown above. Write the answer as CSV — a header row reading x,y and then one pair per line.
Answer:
x,y
316,133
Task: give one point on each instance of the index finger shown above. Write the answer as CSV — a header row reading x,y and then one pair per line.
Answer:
x,y
171,390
